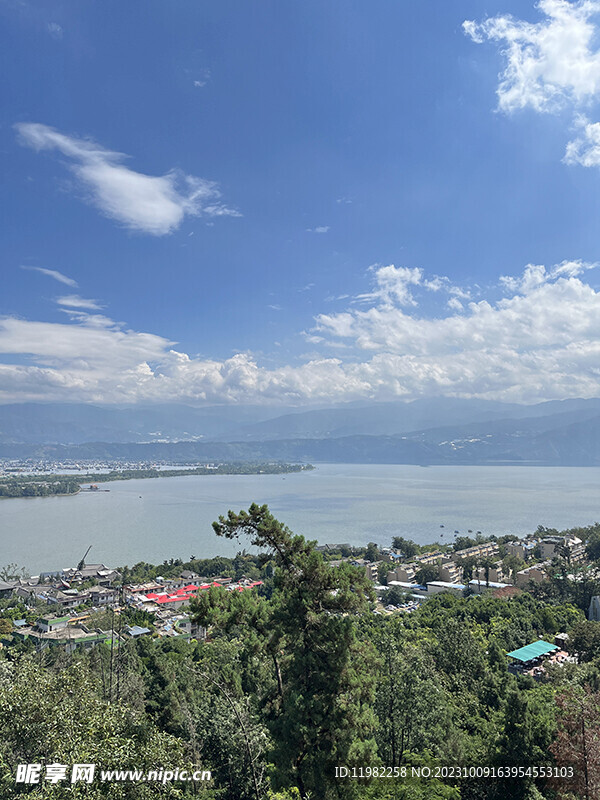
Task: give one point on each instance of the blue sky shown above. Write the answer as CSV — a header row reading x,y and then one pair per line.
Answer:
x,y
296,203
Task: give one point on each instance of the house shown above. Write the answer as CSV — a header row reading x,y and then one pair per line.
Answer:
x,y
553,546
102,596
494,573
65,600
431,557
405,574
522,548
484,550
535,573
70,637
450,571
189,627
136,630
371,569
51,624
100,573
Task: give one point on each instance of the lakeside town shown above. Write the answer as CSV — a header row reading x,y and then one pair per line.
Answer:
x,y
90,604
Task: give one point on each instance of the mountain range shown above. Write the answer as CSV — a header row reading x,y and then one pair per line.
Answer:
x,y
432,431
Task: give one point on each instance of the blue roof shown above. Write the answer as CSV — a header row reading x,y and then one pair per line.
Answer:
x,y
533,650
19,623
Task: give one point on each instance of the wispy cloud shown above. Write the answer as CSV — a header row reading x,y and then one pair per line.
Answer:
x,y
53,273
75,301
318,229
392,285
151,204
55,30
202,78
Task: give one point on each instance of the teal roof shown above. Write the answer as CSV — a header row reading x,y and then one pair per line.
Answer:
x,y
533,650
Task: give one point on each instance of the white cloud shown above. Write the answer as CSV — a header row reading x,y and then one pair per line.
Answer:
x,y
548,63
539,341
53,273
319,229
585,149
152,204
455,304
392,285
75,301
535,275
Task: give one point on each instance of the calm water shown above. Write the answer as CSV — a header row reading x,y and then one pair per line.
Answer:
x,y
150,520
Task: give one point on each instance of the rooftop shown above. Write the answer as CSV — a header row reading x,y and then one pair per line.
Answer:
x,y
532,651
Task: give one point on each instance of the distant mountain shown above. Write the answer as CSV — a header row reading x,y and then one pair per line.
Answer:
x,y
564,439
53,423
62,423
467,432
393,418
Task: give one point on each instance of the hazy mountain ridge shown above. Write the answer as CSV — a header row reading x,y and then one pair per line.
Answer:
x,y
79,423
556,433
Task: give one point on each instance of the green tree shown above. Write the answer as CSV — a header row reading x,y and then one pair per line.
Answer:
x,y
62,719
372,552
426,574
407,547
592,545
394,596
578,742
526,731
411,705
585,640
319,703
467,566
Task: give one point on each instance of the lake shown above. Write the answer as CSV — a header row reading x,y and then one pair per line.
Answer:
x,y
154,519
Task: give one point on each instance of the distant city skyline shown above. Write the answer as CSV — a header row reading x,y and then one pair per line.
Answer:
x,y
299,204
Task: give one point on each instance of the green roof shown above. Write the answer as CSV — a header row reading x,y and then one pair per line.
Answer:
x,y
533,650
54,620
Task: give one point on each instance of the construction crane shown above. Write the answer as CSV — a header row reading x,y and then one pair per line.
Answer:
x,y
81,564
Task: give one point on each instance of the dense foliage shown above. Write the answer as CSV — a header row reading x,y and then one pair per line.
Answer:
x,y
303,678
24,487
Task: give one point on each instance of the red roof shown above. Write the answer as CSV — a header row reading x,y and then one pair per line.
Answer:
x,y
173,598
